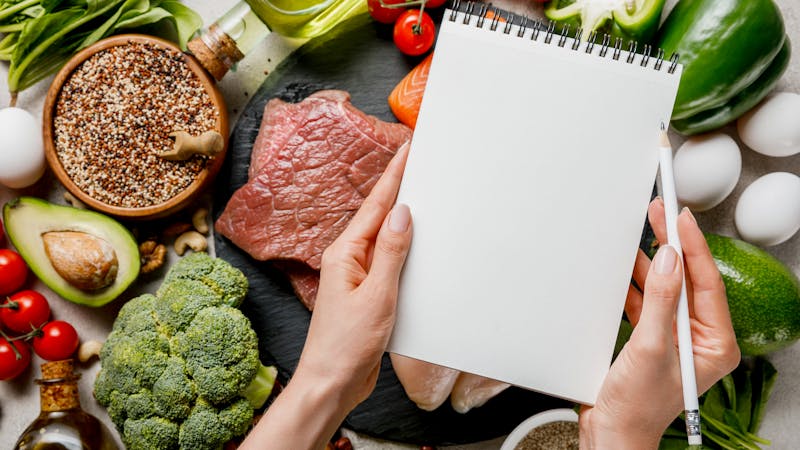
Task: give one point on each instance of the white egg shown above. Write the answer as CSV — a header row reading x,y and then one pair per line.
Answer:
x,y
707,168
768,211
21,148
773,127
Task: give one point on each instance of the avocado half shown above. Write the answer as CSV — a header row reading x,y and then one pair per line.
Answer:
x,y
28,219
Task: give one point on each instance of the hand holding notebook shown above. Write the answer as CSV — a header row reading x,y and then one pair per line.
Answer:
x,y
531,167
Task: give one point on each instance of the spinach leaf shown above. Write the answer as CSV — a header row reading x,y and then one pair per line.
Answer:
x,y
744,397
763,376
186,21
43,34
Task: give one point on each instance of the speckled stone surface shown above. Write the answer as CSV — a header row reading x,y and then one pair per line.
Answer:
x,y
19,402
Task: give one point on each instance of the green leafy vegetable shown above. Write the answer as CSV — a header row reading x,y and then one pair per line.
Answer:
x,y
731,411
41,35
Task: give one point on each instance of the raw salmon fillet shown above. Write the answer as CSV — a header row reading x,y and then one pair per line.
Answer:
x,y
406,97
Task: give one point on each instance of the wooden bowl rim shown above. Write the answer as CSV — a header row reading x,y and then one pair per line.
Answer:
x,y
180,200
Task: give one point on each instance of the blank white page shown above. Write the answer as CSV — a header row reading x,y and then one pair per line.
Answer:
x,y
528,180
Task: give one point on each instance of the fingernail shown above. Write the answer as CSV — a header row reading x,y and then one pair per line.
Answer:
x,y
399,218
686,210
665,260
658,199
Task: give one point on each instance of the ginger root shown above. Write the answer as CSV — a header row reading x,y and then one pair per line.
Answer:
x,y
210,144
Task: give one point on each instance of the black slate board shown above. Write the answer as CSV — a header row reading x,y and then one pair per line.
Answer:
x,y
358,57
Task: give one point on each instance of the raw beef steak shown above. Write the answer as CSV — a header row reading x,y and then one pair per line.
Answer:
x,y
312,165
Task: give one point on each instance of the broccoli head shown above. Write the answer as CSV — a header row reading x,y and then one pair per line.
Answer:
x,y
181,369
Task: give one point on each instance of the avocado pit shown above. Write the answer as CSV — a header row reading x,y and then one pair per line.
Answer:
x,y
85,261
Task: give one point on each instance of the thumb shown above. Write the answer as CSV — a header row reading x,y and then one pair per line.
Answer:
x,y
391,247
661,291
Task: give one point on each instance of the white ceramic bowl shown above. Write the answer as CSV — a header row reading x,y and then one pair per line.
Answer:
x,y
551,415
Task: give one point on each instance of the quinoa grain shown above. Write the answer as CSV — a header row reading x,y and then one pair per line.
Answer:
x,y
114,115
559,435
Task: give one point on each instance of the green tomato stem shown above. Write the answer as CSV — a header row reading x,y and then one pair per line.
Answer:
x,y
10,341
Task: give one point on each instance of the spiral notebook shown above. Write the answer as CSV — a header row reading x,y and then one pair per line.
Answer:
x,y
529,176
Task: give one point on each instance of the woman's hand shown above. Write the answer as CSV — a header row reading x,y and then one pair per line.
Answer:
x,y
353,319
642,392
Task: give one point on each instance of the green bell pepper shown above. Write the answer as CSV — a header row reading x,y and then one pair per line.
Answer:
x,y
725,46
742,102
635,20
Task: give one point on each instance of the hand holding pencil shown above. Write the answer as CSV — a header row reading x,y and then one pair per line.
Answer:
x,y
642,393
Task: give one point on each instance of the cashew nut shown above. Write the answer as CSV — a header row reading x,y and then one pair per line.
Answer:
x,y
89,349
199,220
208,144
192,240
72,200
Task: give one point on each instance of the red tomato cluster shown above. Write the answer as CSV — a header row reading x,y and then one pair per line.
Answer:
x,y
414,30
25,314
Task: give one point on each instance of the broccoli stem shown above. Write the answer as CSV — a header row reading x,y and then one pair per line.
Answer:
x,y
260,388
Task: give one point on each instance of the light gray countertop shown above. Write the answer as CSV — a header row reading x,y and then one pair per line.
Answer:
x,y
19,398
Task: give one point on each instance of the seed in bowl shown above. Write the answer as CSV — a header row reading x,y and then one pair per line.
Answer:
x,y
560,435
114,116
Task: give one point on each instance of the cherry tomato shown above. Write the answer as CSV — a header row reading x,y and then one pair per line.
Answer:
x,y
59,341
25,311
382,14
436,3
12,364
13,271
413,39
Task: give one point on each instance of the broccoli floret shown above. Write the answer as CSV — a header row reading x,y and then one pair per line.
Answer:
x,y
173,392
204,429
181,369
181,300
222,278
237,417
144,303
153,433
132,362
140,405
221,353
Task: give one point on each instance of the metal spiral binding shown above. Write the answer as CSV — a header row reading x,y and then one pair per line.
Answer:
x,y
523,23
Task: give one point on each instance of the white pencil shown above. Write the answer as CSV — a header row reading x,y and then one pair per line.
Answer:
x,y
691,406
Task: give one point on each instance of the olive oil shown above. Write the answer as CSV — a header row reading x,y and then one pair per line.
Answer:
x,y
304,18
243,27
62,424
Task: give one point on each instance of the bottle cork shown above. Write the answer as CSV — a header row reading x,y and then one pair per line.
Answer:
x,y
216,51
58,369
58,388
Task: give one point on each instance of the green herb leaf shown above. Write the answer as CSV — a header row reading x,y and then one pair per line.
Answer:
x,y
185,19
764,376
730,390
744,396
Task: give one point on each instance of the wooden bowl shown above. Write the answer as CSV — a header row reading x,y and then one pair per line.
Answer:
x,y
175,203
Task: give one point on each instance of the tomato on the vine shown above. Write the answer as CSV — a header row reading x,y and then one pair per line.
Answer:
x,y
58,340
383,14
25,311
13,271
414,35
13,363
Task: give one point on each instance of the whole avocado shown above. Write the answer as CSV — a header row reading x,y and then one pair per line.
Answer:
x,y
763,295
